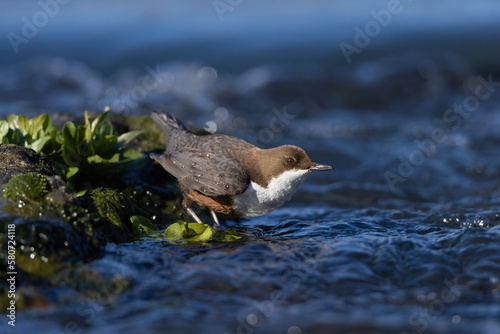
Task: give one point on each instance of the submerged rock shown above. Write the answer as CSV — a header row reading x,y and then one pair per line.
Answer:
x,y
44,249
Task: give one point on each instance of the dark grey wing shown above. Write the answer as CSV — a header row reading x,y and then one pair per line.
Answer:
x,y
209,173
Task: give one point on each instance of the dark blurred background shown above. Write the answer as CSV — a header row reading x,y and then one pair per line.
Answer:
x,y
237,35
110,40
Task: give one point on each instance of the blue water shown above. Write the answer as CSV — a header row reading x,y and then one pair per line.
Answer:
x,y
401,237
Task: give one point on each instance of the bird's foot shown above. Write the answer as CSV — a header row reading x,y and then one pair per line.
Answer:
x,y
195,217
216,220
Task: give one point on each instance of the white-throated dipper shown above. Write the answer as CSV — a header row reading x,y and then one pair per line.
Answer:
x,y
229,175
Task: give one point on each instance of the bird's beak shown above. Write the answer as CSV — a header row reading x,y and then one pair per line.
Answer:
x,y
320,167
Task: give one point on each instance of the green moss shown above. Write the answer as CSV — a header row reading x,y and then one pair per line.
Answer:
x,y
29,187
109,205
114,206
123,219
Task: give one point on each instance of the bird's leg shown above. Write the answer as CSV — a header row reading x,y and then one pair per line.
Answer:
x,y
216,221
186,204
195,217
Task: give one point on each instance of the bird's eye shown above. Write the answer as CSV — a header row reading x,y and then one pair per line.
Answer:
x,y
291,161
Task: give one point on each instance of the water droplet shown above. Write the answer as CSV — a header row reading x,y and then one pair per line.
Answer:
x,y
211,127
221,114
207,74
252,319
294,330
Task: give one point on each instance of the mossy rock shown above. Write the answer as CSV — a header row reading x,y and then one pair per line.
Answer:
x,y
31,178
29,187
116,210
20,160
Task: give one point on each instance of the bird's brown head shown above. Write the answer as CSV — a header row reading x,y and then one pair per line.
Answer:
x,y
266,164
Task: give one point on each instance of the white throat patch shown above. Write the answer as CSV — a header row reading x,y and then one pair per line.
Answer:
x,y
257,201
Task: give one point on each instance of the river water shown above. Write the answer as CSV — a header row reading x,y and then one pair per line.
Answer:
x,y
403,236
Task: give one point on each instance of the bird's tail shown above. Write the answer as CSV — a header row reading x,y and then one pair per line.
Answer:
x,y
167,122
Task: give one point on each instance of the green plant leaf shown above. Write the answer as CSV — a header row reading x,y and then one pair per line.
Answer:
x,y
128,137
71,171
141,220
69,131
132,154
84,153
142,227
17,138
197,233
23,124
12,120
204,233
38,145
69,150
101,126
175,231
4,129
95,159
40,125
106,146
88,128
